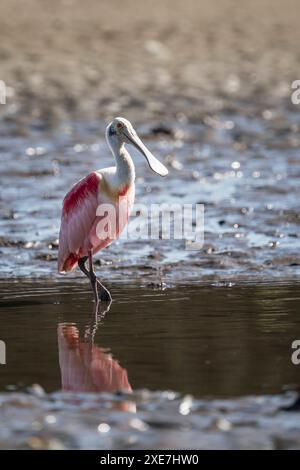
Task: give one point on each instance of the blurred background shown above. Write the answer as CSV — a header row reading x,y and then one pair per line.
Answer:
x,y
74,59
207,85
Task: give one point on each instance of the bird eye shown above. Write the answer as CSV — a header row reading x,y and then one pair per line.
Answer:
x,y
112,130
119,125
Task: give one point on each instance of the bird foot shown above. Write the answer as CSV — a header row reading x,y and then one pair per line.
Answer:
x,y
104,294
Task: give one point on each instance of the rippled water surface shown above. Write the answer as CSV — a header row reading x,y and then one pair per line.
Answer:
x,y
244,168
162,368
220,340
195,350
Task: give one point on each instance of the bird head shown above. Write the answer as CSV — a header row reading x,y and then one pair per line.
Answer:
x,y
121,131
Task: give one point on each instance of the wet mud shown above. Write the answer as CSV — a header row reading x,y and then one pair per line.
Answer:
x,y
155,369
195,350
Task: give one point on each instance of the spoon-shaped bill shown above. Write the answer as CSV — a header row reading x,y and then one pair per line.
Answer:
x,y
154,164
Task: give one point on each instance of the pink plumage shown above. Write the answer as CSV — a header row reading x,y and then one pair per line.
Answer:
x,y
97,209
79,220
78,216
86,367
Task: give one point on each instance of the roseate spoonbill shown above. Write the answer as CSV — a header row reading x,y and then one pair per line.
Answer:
x,y
86,367
79,237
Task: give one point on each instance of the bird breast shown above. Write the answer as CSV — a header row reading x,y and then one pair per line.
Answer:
x,y
113,188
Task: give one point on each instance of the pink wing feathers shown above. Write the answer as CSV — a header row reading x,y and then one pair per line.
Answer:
x,y
86,367
78,217
79,221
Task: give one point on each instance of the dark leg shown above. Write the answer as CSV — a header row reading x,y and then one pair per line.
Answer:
x,y
104,293
95,283
81,264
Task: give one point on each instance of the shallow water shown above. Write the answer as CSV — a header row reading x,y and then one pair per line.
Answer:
x,y
215,324
243,166
221,340
206,344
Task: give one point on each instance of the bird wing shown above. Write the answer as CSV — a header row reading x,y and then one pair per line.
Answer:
x,y
86,367
78,216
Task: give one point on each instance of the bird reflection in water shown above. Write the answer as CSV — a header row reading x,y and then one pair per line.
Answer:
x,y
86,367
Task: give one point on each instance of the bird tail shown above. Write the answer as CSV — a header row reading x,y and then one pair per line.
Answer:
x,y
69,264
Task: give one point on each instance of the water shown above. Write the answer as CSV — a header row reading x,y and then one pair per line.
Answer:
x,y
162,368
221,341
199,342
242,166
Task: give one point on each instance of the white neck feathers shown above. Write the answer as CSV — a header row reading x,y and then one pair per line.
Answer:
x,y
125,167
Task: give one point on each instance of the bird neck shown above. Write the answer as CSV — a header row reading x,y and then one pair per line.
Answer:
x,y
124,164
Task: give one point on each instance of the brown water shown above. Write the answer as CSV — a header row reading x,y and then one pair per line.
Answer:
x,y
206,344
212,100
221,340
216,324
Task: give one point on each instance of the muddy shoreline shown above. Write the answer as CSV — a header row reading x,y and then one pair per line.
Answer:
x,y
161,61
195,366
208,87
163,420
247,187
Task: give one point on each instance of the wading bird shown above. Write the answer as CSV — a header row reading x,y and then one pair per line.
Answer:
x,y
79,237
